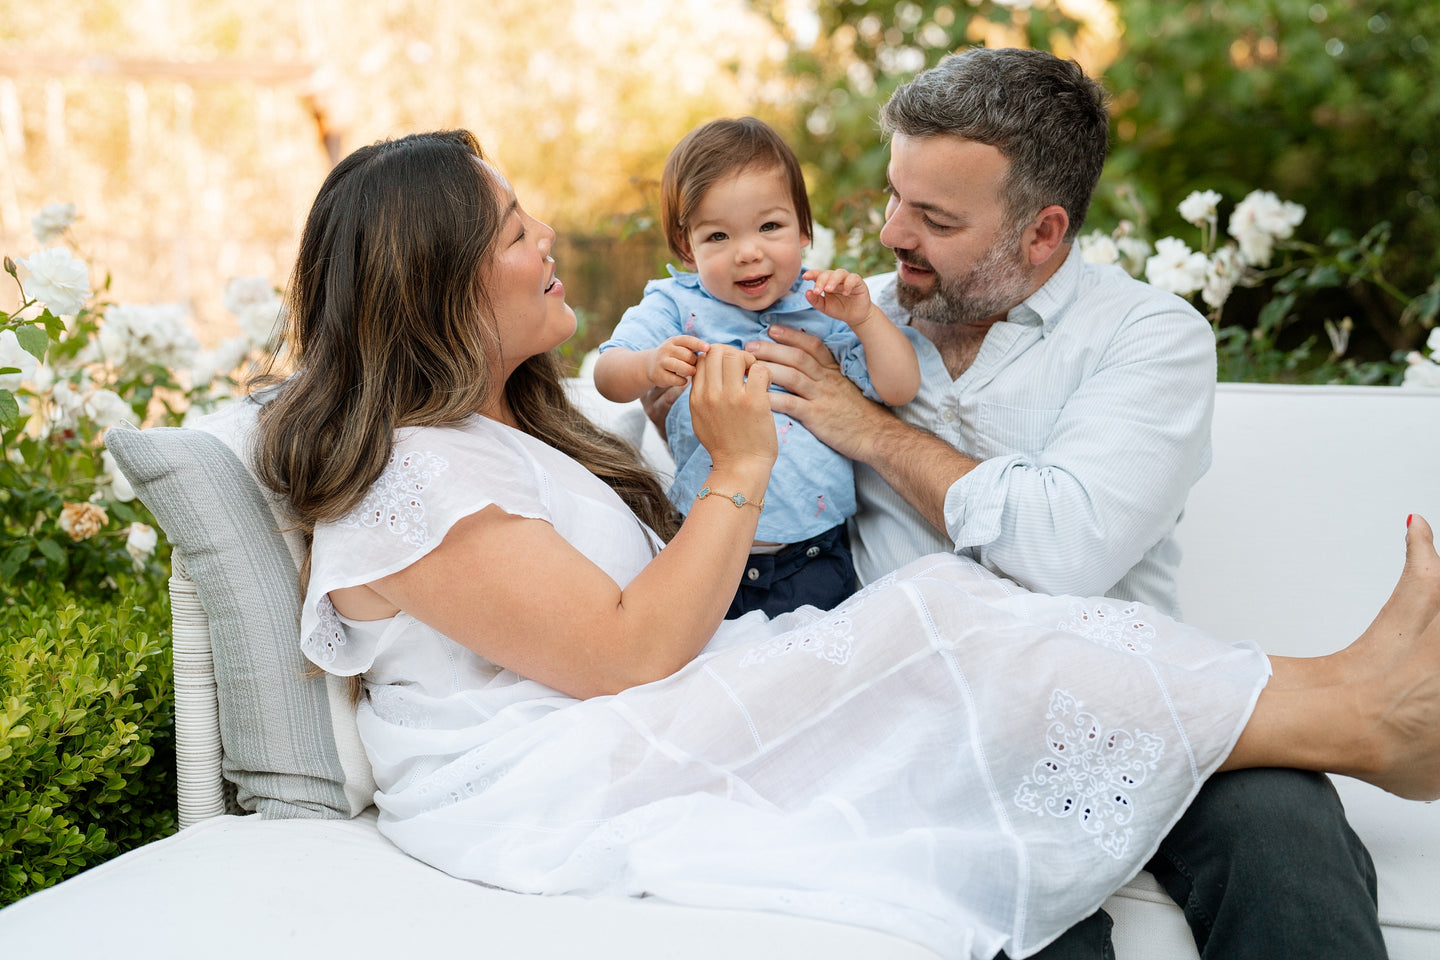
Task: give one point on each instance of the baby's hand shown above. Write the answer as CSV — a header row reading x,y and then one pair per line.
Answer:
x,y
672,364
839,294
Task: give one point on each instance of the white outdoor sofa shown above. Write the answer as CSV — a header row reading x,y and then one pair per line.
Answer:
x,y
1293,538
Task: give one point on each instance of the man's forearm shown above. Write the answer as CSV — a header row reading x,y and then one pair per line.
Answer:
x,y
917,464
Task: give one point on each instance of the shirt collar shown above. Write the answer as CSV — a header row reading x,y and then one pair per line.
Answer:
x,y
1045,305
792,301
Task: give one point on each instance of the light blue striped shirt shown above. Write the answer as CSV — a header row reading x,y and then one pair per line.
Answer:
x,y
1089,408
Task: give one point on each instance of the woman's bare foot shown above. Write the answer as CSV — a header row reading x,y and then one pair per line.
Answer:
x,y
1395,671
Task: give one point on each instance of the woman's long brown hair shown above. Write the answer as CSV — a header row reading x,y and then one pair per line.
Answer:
x,y
388,325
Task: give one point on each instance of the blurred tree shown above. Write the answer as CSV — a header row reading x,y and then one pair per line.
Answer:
x,y
1331,104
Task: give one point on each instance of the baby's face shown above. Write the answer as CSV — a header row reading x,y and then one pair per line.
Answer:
x,y
745,239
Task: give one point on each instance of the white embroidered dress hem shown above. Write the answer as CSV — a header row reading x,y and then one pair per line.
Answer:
x,y
946,756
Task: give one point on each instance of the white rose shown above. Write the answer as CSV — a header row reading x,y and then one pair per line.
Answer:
x,y
1433,342
140,543
822,248
148,333
113,484
1261,219
1175,268
13,355
52,220
1221,275
241,292
210,364
65,406
57,280
1201,207
81,521
259,321
1421,373
1133,253
1099,247
106,409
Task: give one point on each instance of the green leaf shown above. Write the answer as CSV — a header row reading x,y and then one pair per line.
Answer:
x,y
9,408
52,550
33,340
54,326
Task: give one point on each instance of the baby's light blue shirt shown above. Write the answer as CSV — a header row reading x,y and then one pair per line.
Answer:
x,y
812,488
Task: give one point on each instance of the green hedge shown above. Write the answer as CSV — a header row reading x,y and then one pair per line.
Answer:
x,y
86,730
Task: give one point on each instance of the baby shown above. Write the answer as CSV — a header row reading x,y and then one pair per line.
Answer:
x,y
735,213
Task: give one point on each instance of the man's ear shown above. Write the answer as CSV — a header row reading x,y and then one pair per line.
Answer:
x,y
1045,234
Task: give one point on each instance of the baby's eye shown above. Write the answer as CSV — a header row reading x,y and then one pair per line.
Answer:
x,y
716,237
769,226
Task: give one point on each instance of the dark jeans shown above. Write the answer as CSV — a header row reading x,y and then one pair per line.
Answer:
x,y
1265,867
818,571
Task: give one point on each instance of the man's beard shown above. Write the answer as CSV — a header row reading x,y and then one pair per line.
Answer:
x,y
998,282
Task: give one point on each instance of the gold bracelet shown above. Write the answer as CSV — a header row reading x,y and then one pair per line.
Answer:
x,y
739,499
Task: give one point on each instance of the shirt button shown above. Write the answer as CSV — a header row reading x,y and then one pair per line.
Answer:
x,y
753,573
812,552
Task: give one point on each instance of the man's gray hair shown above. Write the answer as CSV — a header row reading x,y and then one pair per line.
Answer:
x,y
1042,113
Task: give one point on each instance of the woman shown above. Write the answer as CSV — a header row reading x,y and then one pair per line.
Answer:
x,y
934,758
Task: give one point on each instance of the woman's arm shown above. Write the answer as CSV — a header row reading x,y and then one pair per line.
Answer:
x,y
514,591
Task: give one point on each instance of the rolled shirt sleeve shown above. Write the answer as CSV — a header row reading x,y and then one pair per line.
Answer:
x,y
1089,410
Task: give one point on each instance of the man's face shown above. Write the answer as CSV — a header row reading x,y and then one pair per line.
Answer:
x,y
959,259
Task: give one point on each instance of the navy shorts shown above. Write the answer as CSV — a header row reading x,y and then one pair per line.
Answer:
x,y
818,572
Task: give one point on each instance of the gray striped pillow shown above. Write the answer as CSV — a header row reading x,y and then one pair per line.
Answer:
x,y
289,740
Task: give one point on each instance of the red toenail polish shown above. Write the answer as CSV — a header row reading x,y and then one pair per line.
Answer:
x,y
1408,518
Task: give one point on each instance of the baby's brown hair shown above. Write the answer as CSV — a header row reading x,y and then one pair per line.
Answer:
x,y
714,151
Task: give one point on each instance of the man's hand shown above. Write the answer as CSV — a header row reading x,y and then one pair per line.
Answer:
x,y
820,396
919,465
656,402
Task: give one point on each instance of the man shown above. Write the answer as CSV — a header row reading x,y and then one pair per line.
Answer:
x,y
1063,416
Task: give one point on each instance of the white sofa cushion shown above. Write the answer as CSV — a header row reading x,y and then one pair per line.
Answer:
x,y
242,887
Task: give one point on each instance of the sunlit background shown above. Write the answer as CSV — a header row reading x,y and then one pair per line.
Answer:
x,y
192,134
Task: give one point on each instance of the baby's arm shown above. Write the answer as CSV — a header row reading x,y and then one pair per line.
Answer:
x,y
889,357
623,375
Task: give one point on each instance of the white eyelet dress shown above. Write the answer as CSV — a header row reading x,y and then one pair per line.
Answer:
x,y
946,756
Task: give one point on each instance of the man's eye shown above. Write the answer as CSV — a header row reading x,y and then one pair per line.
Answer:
x,y
938,227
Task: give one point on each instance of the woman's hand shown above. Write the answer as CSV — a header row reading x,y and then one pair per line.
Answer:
x,y
730,409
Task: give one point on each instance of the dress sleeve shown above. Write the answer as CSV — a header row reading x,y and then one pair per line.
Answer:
x,y
436,476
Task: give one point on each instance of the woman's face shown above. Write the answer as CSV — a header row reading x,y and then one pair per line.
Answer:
x,y
528,300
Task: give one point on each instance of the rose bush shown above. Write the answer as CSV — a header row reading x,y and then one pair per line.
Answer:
x,y
73,365
86,729
1261,227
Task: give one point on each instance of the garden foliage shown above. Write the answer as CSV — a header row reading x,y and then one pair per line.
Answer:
x,y
86,730
86,724
1331,105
